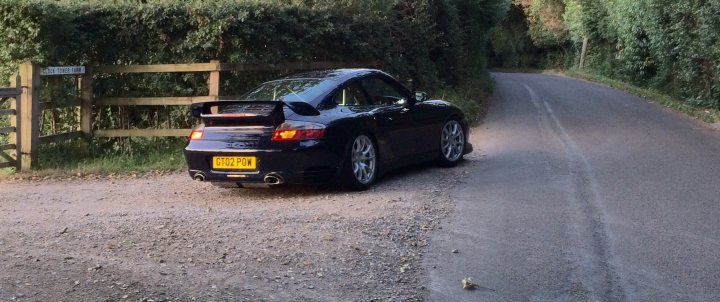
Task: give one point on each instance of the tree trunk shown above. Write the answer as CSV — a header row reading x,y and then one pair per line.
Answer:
x,y
583,54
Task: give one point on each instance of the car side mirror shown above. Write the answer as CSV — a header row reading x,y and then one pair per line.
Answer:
x,y
420,96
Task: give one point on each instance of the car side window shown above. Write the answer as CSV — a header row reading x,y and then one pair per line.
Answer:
x,y
351,95
381,92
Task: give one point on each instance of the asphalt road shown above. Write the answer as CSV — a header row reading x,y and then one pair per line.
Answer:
x,y
583,193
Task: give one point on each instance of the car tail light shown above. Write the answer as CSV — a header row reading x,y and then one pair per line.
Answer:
x,y
196,134
293,131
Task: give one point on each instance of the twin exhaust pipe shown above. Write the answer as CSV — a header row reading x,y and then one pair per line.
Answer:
x,y
199,176
272,179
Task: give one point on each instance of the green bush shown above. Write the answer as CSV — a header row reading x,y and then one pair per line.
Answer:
x,y
422,41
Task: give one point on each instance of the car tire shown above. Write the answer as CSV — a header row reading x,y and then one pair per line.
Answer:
x,y
361,165
452,143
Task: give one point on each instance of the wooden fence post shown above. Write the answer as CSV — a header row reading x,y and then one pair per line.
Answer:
x,y
214,80
86,102
29,130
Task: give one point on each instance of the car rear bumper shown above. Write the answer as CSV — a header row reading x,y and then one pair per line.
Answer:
x,y
307,162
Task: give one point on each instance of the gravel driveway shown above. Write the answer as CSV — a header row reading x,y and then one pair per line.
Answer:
x,y
167,238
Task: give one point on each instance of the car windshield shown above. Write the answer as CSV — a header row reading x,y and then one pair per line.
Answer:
x,y
290,90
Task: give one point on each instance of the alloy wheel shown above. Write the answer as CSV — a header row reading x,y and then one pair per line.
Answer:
x,y
364,161
452,141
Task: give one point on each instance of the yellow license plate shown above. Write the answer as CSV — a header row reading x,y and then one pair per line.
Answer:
x,y
234,162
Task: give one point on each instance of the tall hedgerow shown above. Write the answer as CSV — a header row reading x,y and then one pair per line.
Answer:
x,y
428,41
673,46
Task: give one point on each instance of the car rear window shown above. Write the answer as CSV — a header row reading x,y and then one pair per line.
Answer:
x,y
290,90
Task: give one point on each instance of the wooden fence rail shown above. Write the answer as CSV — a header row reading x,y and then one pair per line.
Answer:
x,y
214,68
25,128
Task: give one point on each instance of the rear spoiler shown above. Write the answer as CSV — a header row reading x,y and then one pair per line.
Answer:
x,y
254,108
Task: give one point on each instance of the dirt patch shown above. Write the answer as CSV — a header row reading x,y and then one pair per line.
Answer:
x,y
167,238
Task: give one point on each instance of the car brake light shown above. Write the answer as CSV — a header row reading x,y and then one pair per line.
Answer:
x,y
292,131
196,134
292,135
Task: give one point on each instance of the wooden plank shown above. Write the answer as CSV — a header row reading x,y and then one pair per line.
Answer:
x,y
56,138
214,81
86,102
29,124
9,99
9,92
7,165
7,147
5,130
154,101
296,66
8,112
141,132
6,157
193,67
217,66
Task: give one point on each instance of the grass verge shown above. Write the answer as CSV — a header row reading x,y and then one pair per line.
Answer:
x,y
470,96
704,114
101,157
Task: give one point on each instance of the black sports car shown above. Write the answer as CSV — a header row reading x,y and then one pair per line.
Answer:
x,y
345,125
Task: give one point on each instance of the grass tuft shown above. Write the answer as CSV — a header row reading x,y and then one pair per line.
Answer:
x,y
705,114
124,156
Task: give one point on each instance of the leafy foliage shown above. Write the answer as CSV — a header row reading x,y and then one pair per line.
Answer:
x,y
426,41
510,45
672,46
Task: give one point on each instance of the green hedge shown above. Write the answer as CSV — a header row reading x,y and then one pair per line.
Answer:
x,y
418,40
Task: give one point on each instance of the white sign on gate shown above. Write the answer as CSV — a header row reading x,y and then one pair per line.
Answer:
x,y
62,70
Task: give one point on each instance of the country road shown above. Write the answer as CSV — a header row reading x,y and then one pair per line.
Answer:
x,y
575,192
583,193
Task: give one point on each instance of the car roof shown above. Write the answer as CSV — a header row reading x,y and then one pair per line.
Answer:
x,y
338,75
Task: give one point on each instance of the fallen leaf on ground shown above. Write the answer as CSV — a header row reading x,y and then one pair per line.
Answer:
x,y
468,283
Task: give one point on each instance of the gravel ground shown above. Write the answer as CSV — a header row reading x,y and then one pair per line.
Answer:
x,y
167,238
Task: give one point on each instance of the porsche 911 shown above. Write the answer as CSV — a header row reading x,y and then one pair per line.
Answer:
x,y
344,126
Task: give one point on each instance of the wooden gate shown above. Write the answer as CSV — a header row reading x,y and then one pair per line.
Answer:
x,y
11,95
